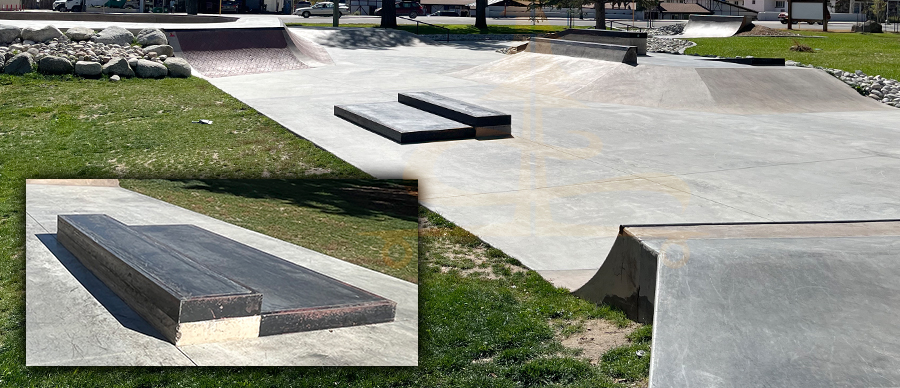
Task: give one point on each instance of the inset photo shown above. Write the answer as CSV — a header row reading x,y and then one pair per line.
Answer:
x,y
313,272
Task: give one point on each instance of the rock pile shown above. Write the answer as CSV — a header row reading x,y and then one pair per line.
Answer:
x,y
84,53
672,29
879,88
667,45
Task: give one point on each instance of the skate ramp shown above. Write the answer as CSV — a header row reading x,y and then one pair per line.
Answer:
x,y
713,26
229,52
578,49
751,305
731,89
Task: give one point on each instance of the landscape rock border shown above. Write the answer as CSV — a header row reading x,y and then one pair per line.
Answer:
x,y
81,51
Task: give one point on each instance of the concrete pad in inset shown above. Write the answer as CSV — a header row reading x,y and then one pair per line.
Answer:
x,y
72,320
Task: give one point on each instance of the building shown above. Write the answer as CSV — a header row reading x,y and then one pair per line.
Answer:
x,y
679,11
459,6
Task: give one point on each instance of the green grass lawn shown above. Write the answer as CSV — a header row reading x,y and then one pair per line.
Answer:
x,y
874,54
454,28
351,220
476,329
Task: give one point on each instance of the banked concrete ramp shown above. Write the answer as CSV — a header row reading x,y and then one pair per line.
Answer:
x,y
716,87
761,305
229,52
714,26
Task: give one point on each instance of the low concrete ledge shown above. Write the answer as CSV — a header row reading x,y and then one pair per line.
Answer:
x,y
295,298
402,123
624,38
488,123
186,302
600,51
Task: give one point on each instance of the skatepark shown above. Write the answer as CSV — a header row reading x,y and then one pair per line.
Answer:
x,y
665,154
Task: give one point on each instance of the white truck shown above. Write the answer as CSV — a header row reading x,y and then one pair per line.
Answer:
x,y
75,5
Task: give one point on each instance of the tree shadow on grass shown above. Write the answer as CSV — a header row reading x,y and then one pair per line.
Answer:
x,y
355,197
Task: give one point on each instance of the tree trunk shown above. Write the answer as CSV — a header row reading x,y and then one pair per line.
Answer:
x,y
388,14
481,14
600,15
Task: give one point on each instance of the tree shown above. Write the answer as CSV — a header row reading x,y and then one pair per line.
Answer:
x,y
647,5
842,6
481,14
879,8
599,8
388,14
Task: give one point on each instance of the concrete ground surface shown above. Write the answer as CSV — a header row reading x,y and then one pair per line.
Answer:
x,y
775,305
73,319
555,194
271,20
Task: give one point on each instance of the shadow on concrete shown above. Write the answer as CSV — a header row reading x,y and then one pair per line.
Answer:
x,y
356,198
107,298
368,38
479,45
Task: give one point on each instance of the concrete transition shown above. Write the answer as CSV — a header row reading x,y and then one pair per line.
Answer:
x,y
761,304
229,52
420,117
625,38
707,86
590,50
714,26
195,286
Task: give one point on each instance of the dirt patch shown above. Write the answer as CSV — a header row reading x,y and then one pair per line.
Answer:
x,y
765,31
598,337
449,255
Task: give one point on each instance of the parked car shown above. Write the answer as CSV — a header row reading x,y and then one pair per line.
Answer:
x,y
231,6
406,8
444,13
325,8
301,4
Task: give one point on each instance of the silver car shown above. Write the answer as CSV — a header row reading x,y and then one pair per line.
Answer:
x,y
324,8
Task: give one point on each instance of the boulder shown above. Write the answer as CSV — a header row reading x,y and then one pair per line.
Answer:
x,y
151,36
114,78
118,66
88,69
79,34
55,66
9,34
42,34
868,26
178,67
132,62
19,64
160,49
150,69
114,35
